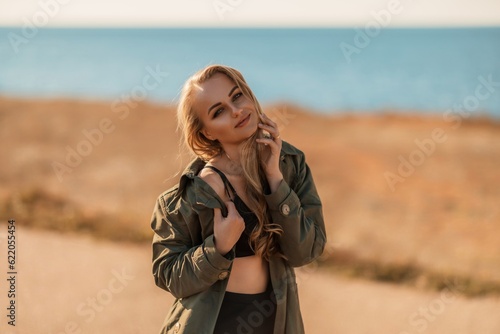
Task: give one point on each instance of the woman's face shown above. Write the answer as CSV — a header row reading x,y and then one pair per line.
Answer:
x,y
226,114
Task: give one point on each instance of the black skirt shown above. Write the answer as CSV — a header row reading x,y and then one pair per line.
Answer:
x,y
243,313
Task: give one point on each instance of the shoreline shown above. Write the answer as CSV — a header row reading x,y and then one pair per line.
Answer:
x,y
483,116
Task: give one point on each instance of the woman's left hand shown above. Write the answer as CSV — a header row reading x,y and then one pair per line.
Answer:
x,y
271,157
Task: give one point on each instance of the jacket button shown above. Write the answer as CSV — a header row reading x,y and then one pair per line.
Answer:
x,y
285,209
177,327
223,275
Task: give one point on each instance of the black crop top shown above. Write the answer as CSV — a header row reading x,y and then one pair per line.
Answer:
x,y
242,245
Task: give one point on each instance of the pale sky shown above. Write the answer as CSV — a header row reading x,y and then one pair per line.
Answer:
x,y
248,13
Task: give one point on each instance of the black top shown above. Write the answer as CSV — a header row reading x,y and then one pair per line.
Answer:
x,y
242,245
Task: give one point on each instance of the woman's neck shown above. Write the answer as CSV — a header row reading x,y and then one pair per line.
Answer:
x,y
232,153
227,164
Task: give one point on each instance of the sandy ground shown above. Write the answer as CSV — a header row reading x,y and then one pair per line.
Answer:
x,y
441,216
73,284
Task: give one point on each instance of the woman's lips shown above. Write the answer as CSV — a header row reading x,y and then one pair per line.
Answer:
x,y
243,122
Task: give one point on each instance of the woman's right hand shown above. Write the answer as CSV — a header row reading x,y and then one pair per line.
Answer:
x,y
227,230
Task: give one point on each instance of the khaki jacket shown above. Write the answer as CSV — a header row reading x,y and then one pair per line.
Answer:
x,y
186,263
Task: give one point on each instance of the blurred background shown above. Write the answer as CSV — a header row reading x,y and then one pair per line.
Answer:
x,y
396,105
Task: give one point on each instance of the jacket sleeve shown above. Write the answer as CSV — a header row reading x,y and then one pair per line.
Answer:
x,y
179,267
298,211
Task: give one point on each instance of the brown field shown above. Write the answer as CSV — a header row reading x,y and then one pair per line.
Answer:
x,y
437,224
69,285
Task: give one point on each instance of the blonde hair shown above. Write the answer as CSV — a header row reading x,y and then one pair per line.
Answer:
x,y
264,238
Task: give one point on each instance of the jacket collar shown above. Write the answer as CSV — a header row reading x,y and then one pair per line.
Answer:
x,y
197,164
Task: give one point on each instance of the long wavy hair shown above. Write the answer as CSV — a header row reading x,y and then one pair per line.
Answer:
x,y
264,238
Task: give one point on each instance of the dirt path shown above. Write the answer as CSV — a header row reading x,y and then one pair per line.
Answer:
x,y
72,284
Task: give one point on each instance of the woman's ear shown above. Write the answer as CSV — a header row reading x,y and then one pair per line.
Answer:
x,y
206,134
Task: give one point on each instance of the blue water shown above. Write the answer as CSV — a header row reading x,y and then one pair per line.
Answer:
x,y
406,69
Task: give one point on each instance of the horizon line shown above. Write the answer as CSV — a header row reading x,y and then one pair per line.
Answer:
x,y
453,26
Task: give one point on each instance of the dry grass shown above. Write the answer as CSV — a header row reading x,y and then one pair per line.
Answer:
x,y
39,209
437,224
348,264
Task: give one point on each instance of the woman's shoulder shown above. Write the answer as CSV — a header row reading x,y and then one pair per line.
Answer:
x,y
196,184
293,157
214,180
287,148
183,188
187,187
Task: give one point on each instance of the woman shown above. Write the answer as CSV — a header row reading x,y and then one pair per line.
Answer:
x,y
244,213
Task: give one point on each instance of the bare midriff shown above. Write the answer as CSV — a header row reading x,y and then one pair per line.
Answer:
x,y
249,274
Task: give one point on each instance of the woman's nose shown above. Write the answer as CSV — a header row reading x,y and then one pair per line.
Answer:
x,y
237,111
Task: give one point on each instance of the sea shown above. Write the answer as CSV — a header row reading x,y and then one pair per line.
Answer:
x,y
328,70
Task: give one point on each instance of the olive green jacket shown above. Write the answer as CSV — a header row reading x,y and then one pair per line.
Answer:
x,y
186,263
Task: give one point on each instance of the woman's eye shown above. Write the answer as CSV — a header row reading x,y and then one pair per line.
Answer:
x,y
218,111
236,96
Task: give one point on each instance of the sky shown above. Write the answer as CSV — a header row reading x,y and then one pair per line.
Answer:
x,y
249,13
